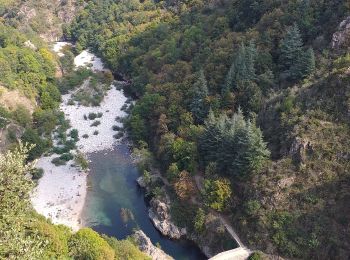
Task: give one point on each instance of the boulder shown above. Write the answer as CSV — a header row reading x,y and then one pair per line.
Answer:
x,y
341,38
145,245
160,216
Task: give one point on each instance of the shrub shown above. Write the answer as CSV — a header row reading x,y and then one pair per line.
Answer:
x,y
118,135
92,116
41,145
95,132
85,117
22,116
74,134
37,173
99,114
57,161
80,160
66,157
87,244
125,249
95,123
255,256
85,136
116,128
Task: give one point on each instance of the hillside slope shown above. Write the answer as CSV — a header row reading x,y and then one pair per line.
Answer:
x,y
209,75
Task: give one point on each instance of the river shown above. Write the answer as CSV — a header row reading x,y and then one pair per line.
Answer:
x,y
111,183
112,187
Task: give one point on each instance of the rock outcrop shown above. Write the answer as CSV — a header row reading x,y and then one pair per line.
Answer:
x,y
160,216
146,246
299,149
341,38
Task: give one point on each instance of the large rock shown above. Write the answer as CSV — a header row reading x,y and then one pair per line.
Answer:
x,y
341,38
299,149
160,216
146,246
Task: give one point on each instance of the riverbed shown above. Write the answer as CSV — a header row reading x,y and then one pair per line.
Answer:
x,y
108,198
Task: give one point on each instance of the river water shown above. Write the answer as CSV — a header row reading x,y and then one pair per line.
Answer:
x,y
112,189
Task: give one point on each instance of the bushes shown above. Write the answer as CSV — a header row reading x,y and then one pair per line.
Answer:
x,y
37,173
41,145
80,160
217,193
92,116
74,134
87,244
58,162
66,157
22,116
96,123
125,249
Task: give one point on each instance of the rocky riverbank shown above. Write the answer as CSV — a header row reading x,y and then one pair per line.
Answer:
x,y
146,246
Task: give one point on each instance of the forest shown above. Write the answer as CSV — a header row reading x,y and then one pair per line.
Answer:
x,y
249,96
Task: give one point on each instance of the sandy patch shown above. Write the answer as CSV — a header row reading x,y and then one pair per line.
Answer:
x,y
60,194
58,46
87,59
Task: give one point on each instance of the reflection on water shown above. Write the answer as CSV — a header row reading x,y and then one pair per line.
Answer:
x,y
115,205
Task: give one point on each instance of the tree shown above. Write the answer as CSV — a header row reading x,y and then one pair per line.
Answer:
x,y
234,144
290,48
198,105
15,241
242,68
217,193
22,116
199,220
184,154
31,136
305,65
87,244
295,63
184,186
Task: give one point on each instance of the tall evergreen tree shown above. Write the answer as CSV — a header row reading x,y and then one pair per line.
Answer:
x,y
234,144
242,67
198,105
291,48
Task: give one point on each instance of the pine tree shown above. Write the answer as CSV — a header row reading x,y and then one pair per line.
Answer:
x,y
291,49
308,62
234,144
198,105
242,68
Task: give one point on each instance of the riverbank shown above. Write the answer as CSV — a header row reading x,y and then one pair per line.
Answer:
x,y
61,193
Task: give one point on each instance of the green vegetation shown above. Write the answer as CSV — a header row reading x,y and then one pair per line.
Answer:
x,y
249,93
26,235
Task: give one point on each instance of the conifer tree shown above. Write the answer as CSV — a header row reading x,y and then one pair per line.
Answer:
x,y
291,48
198,105
242,68
307,63
234,144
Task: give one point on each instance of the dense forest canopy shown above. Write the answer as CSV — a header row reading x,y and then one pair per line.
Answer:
x,y
249,96
236,91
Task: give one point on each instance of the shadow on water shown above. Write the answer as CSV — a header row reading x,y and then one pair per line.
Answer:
x,y
115,205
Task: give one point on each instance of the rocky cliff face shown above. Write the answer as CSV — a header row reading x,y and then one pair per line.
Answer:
x,y
341,38
45,17
160,216
146,246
